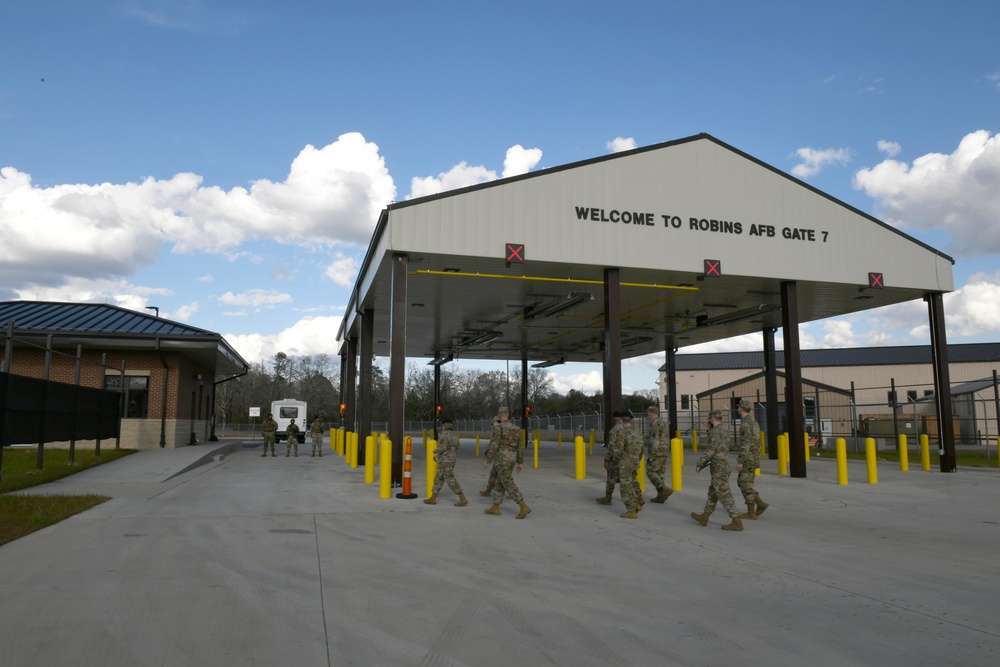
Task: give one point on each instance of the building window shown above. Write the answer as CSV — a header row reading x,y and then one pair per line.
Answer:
x,y
911,395
810,409
685,401
136,394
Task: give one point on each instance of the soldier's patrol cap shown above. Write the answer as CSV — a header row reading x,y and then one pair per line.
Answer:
x,y
715,414
503,411
746,405
446,421
627,414
653,409
616,414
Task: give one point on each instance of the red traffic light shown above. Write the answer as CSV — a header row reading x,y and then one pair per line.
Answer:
x,y
438,411
527,411
343,409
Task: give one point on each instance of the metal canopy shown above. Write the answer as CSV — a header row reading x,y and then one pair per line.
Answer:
x,y
703,236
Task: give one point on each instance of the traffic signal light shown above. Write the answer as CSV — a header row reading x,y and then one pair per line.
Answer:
x,y
343,409
527,411
437,411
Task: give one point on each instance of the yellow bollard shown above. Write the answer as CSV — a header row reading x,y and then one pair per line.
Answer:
x,y
694,440
477,446
904,452
354,450
559,446
805,436
841,462
538,439
385,470
641,474
581,457
870,458
925,452
369,460
524,438
782,454
677,463
432,466
763,444
591,442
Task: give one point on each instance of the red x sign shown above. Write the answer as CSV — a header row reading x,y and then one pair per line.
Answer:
x,y
515,252
713,267
875,280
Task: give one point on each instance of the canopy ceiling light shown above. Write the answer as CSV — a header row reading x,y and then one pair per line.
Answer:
x,y
737,315
559,305
550,363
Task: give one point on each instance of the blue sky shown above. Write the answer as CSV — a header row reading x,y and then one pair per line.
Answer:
x,y
226,161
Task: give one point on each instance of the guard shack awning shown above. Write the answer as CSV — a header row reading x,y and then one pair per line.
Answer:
x,y
639,252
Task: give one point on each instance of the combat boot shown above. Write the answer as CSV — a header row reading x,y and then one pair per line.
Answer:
x,y
524,510
700,518
265,453
462,501
433,500
662,495
486,492
735,524
603,500
751,513
493,510
631,514
759,506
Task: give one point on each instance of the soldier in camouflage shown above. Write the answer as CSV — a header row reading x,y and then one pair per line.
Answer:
x,y
748,461
628,445
717,457
267,429
446,455
505,452
659,450
611,462
316,433
492,482
292,433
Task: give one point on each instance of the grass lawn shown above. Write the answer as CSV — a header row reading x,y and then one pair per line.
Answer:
x,y
24,514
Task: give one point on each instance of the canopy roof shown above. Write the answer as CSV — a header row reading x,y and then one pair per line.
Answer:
x,y
702,234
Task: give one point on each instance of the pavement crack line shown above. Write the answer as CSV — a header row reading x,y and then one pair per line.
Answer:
x,y
322,599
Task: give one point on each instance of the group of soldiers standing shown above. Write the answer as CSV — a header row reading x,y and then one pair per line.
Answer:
x,y
269,428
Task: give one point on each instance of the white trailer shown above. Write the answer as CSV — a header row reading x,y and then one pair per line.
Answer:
x,y
284,411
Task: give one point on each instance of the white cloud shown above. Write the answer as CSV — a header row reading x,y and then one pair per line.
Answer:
x,y
890,148
994,79
972,310
814,160
839,333
520,160
342,270
115,292
619,144
206,278
588,383
460,176
331,195
959,192
183,313
310,335
256,298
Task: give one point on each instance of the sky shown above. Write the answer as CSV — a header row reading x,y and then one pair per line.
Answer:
x,y
226,161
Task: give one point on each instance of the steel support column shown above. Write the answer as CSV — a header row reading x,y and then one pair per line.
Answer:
x,y
671,389
771,393
612,347
350,398
365,365
397,363
524,389
942,382
437,400
793,379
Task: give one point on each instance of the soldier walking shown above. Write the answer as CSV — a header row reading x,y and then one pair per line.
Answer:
x,y
611,461
717,457
446,456
504,453
659,450
316,433
492,482
748,461
293,438
267,429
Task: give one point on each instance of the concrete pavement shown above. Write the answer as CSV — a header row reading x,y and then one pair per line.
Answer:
x,y
211,555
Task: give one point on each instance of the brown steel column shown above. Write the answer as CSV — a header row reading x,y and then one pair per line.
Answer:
x,y
343,390
524,391
612,348
350,382
365,363
437,400
397,364
942,382
672,388
793,379
771,393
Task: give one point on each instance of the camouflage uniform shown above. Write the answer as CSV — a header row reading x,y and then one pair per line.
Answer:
x,y
316,432
293,438
612,458
446,455
504,453
749,456
629,455
267,429
491,483
717,457
659,450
